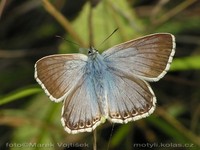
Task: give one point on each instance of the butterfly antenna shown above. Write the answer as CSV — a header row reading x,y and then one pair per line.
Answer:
x,y
108,36
67,40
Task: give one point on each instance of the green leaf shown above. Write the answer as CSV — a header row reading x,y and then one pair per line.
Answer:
x,y
186,63
21,93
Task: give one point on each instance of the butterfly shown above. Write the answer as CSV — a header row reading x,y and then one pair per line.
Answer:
x,y
109,86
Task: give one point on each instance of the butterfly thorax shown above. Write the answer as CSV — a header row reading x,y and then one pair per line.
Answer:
x,y
95,64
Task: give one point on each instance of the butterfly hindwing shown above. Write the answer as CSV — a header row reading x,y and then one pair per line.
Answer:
x,y
81,110
128,98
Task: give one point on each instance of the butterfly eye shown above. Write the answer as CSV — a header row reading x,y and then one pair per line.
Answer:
x,y
89,52
92,51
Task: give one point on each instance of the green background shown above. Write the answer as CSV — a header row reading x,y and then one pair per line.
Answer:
x,y
28,29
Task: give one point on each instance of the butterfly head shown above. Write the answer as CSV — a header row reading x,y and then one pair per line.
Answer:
x,y
92,52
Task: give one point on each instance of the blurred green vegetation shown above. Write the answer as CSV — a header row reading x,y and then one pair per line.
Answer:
x,y
27,33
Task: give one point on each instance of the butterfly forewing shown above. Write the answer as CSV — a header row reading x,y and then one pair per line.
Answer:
x,y
59,74
148,57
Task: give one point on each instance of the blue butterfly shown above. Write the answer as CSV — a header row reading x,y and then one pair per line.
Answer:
x,y
111,85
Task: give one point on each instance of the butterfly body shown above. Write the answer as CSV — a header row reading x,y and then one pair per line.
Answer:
x,y
95,71
112,85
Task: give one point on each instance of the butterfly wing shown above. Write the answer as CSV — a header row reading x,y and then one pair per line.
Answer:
x,y
148,57
58,75
81,110
128,98
65,77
